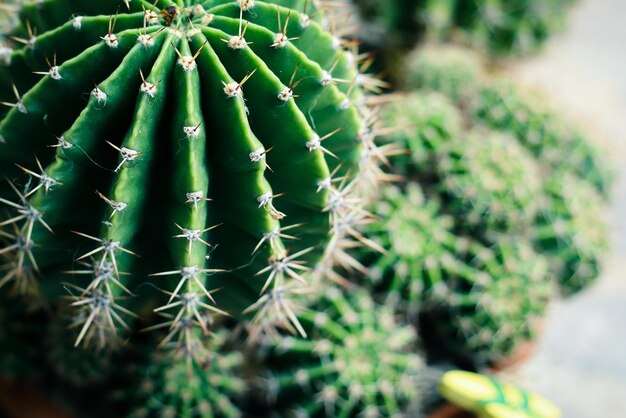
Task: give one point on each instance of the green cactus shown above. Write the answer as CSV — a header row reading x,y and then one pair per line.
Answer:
x,y
20,335
488,183
421,249
572,231
422,123
334,374
491,310
552,140
176,387
450,70
216,123
500,27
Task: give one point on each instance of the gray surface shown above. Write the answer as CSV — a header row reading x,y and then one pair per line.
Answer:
x,y
580,361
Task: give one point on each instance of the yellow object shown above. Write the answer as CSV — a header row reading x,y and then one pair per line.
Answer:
x,y
489,398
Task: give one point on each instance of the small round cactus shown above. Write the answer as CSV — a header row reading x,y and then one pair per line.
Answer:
x,y
185,147
421,249
552,140
452,71
572,231
422,123
175,387
334,373
487,315
488,183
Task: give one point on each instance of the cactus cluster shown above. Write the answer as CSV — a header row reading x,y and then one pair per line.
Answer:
x,y
488,220
500,27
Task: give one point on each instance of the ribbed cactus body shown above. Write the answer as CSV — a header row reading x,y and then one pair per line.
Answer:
x,y
194,143
334,373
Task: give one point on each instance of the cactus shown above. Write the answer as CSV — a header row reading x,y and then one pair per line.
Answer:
x,y
334,373
500,27
423,124
20,335
486,180
489,183
551,139
173,387
154,154
491,310
219,126
450,70
476,304
566,159
421,249
572,231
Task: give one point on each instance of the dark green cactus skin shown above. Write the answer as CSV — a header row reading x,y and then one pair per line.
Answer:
x,y
334,373
122,119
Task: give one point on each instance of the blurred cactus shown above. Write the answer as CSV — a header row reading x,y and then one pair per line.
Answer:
x,y
452,71
500,27
491,310
488,183
171,386
572,231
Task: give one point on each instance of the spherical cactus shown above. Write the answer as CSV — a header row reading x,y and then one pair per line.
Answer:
x,y
505,26
488,183
453,71
334,374
176,387
421,249
557,144
422,124
572,231
492,309
198,143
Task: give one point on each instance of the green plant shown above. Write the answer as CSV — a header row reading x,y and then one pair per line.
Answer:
x,y
476,304
501,27
492,309
155,154
165,128
334,373
488,182
572,231
567,163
